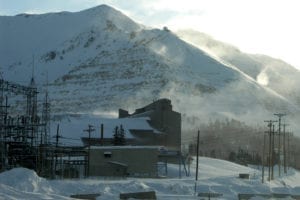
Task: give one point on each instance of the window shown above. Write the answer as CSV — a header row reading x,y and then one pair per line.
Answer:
x,y
107,154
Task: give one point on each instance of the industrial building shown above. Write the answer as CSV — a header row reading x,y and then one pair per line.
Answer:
x,y
162,118
134,161
155,124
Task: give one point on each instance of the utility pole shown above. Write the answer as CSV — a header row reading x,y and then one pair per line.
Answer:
x,y
89,130
271,146
197,161
263,161
272,156
284,148
288,151
279,115
56,147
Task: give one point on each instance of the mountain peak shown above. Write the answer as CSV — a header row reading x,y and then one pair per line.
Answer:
x,y
100,8
105,12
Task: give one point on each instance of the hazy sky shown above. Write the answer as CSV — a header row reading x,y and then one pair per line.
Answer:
x,y
256,26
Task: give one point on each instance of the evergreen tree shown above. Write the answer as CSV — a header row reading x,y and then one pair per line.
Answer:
x,y
119,136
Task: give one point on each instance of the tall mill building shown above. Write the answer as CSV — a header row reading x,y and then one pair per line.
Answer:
x,y
165,122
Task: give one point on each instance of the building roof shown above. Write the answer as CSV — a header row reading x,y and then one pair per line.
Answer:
x,y
125,147
166,103
73,127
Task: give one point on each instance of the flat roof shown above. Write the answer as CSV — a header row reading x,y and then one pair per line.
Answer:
x,y
125,147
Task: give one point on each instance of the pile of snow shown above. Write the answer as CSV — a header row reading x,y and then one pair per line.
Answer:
x,y
215,176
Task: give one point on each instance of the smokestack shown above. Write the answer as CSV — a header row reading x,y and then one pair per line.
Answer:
x,y
101,131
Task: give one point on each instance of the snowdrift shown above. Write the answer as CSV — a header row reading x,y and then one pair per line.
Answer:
x,y
215,176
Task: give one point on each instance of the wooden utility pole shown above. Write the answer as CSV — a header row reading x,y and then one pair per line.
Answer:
x,y
197,161
272,155
284,148
263,161
279,115
270,150
89,131
288,150
56,147
271,146
57,136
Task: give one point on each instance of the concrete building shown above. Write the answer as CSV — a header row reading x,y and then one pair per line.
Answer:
x,y
135,161
162,118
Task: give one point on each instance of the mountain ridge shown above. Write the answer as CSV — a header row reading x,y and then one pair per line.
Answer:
x,y
101,62
270,72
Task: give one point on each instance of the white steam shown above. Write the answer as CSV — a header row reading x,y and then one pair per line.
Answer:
x,y
108,114
262,78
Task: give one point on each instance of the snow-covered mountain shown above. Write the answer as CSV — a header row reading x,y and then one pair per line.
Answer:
x,y
270,72
99,60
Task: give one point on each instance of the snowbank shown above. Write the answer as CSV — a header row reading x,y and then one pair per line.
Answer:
x,y
215,176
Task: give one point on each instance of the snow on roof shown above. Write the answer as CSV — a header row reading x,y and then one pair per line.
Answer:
x,y
73,127
143,114
125,147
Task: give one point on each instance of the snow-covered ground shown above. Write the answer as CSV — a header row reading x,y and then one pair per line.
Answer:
x,y
215,176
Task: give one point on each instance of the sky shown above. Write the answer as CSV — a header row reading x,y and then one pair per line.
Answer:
x,y
268,27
